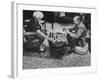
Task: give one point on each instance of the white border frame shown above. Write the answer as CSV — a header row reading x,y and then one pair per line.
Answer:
x,y
17,53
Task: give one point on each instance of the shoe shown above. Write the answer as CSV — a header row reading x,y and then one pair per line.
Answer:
x,y
42,50
70,51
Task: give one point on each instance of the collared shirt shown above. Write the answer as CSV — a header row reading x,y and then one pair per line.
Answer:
x,y
79,30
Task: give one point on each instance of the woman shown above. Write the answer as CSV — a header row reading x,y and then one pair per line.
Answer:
x,y
36,28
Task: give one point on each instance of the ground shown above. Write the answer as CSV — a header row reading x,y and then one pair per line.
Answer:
x,y
33,61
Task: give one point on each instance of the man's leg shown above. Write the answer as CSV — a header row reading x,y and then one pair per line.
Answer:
x,y
71,43
81,50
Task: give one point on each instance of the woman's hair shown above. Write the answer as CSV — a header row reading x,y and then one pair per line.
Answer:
x,y
38,14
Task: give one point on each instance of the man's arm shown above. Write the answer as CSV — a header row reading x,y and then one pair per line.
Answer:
x,y
77,35
70,26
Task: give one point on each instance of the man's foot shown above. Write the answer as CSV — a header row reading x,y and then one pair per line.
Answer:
x,y
70,51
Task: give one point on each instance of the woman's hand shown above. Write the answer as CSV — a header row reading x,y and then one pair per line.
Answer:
x,y
65,32
52,40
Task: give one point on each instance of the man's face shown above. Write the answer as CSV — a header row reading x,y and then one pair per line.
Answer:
x,y
77,22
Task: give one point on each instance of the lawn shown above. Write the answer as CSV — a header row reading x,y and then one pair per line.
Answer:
x,y
33,61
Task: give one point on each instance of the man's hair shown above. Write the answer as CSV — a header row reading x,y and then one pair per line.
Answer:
x,y
77,18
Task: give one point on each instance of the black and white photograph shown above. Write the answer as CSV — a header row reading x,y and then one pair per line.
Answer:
x,y
50,40
56,39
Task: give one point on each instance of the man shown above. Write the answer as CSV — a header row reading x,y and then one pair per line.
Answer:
x,y
77,35
36,28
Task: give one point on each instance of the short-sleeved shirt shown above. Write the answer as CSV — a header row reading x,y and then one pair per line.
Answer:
x,y
33,25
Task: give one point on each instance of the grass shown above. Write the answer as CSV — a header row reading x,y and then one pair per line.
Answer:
x,y
33,61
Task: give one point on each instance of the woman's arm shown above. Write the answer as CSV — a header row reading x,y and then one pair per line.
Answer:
x,y
44,36
29,33
41,25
